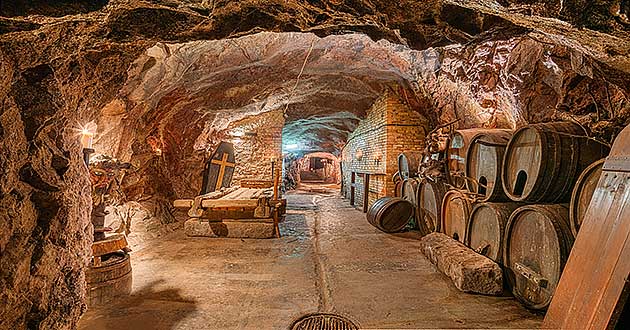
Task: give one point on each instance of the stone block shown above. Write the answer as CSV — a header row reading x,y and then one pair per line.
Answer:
x,y
470,271
241,228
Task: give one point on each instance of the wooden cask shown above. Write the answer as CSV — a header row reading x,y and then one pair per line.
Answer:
x,y
583,193
484,162
430,196
538,241
456,208
390,214
456,155
543,161
486,228
111,280
409,190
398,188
408,163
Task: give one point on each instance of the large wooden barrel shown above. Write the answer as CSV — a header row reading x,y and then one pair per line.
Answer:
x,y
537,244
484,161
456,155
456,208
582,194
430,196
486,228
111,280
543,161
390,214
408,163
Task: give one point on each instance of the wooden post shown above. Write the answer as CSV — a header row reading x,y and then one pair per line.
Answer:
x,y
352,187
366,191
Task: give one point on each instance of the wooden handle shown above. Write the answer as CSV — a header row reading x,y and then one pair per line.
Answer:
x,y
531,275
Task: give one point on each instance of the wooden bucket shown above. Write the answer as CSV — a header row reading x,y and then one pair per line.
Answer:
x,y
582,194
543,161
486,228
390,214
484,161
430,196
538,241
456,208
408,163
111,280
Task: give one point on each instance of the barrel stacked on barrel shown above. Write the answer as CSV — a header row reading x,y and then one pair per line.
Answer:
x,y
516,197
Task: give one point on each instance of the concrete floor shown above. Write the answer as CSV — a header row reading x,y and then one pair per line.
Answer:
x,y
329,259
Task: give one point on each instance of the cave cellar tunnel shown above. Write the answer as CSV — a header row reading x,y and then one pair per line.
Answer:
x,y
329,164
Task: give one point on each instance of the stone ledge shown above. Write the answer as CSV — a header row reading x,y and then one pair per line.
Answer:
x,y
242,228
470,271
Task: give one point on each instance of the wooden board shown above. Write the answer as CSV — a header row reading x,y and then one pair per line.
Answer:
x,y
591,292
109,245
219,169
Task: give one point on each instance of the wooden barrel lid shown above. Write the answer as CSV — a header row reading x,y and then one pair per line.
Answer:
x,y
456,209
537,244
484,161
390,214
486,228
582,194
523,162
430,196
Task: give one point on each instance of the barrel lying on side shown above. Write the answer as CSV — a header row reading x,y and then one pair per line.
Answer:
x,y
110,280
430,196
456,208
408,163
582,194
543,161
390,214
484,161
537,244
486,228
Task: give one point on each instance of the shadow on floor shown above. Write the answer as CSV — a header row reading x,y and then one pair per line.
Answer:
x,y
147,308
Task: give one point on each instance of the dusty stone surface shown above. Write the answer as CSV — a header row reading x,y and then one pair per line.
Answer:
x,y
329,259
469,271
243,228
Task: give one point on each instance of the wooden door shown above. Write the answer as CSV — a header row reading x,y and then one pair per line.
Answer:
x,y
219,169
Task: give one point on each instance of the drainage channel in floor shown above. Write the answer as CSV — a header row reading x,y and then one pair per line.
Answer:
x,y
323,321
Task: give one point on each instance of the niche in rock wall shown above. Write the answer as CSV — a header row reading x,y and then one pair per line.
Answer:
x,y
319,167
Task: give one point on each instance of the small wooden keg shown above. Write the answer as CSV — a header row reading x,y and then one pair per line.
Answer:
x,y
486,228
110,280
582,194
390,214
484,161
537,244
456,208
543,161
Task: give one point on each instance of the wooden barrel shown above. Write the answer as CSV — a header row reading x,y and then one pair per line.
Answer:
x,y
486,228
582,194
456,155
456,209
409,190
484,161
390,214
430,196
398,188
537,244
408,163
111,280
543,161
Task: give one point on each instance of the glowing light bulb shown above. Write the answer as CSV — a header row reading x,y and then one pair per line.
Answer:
x,y
87,138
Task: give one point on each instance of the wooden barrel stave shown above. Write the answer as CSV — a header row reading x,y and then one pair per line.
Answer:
x,y
486,228
111,280
430,196
582,194
536,247
484,161
390,214
543,161
456,208
408,164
